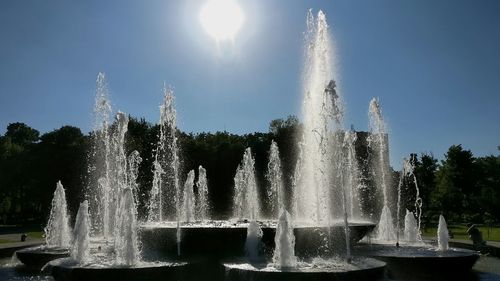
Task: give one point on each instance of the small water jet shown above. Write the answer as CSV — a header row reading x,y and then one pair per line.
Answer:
x,y
274,175
411,231
442,234
188,204
246,199
253,241
80,250
202,186
284,239
58,230
58,236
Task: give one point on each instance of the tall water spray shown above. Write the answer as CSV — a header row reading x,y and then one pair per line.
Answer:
x,y
284,239
188,204
442,234
322,113
165,191
58,230
377,142
98,189
274,175
80,249
246,199
202,186
352,176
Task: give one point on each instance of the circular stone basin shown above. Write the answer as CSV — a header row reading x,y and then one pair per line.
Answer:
x,y
66,270
359,269
37,257
226,239
421,262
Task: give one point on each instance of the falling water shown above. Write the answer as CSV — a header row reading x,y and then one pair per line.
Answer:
x,y
408,171
202,186
411,231
133,162
377,141
165,191
276,192
80,249
322,112
284,239
442,235
246,199
352,178
253,241
126,242
58,231
187,211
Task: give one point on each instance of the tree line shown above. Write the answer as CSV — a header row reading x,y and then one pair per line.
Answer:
x,y
462,187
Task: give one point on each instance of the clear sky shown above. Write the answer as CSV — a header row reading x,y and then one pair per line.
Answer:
x,y
435,65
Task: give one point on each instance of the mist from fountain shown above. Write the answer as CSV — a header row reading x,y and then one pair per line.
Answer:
x,y
246,202
284,240
58,230
377,142
80,249
202,187
188,202
274,176
443,236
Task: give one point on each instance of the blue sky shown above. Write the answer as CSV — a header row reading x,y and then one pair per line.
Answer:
x,y
435,65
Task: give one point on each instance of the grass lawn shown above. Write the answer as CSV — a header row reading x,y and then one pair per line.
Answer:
x,y
460,232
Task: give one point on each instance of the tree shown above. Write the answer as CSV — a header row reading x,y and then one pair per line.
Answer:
x,y
457,191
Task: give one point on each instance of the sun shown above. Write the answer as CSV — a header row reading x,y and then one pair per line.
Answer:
x,y
221,19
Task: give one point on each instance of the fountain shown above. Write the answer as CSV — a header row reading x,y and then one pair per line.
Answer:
x,y
411,231
117,255
202,186
380,167
318,189
187,211
246,199
275,192
57,234
443,237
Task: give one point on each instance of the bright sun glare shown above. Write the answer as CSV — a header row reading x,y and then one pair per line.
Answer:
x,y
221,19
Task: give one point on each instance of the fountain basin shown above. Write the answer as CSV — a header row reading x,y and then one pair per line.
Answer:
x,y
66,270
359,269
421,262
223,239
37,257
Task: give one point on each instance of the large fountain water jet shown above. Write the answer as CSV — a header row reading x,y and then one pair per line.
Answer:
x,y
322,112
126,242
378,143
58,230
411,231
